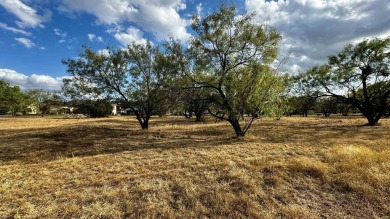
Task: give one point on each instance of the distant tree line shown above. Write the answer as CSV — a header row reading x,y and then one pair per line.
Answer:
x,y
14,101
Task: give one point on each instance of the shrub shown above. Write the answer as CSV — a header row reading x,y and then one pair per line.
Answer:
x,y
95,108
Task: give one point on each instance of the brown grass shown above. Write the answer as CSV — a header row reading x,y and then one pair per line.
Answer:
x,y
107,168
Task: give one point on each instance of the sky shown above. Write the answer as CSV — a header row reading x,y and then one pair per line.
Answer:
x,y
35,35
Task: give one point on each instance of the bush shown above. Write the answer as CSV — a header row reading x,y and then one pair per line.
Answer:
x,y
95,109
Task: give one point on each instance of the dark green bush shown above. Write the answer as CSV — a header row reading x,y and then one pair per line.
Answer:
x,y
95,108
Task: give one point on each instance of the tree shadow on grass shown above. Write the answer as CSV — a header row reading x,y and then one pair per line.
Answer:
x,y
112,135
324,131
106,136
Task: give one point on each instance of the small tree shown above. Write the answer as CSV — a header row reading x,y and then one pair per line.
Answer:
x,y
358,75
327,106
232,57
95,108
136,77
44,100
344,108
195,101
302,104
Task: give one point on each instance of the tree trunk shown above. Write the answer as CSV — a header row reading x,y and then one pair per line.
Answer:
x,y
198,115
144,122
372,120
236,126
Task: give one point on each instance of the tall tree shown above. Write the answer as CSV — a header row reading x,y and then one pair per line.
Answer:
x,y
233,57
44,100
358,75
137,77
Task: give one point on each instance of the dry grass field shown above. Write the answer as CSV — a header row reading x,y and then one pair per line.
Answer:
x,y
108,168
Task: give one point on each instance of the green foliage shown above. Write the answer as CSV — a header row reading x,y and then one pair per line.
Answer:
x,y
232,57
138,77
95,108
44,100
327,106
302,104
12,99
358,75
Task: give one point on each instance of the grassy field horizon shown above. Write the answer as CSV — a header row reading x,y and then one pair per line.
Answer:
x,y
296,167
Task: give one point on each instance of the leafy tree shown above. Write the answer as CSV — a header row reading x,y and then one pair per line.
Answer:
x,y
12,99
232,57
138,77
344,108
95,108
302,104
44,100
281,107
359,71
196,101
327,106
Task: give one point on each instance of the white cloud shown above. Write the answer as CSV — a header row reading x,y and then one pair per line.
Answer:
x,y
28,16
34,81
105,52
60,33
132,35
26,42
160,18
93,37
313,30
15,30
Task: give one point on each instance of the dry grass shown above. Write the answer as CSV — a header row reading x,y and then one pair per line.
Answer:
x,y
108,168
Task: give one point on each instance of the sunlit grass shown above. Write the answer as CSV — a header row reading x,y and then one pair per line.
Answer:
x,y
108,168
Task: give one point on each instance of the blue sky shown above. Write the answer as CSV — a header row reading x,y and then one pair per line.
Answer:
x,y
35,35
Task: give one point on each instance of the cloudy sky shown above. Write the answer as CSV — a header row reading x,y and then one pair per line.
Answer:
x,y
35,35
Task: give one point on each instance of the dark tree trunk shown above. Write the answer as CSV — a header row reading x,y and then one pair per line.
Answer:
x,y
372,120
236,126
143,121
199,116
145,124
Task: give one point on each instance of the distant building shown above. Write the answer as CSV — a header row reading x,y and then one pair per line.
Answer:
x,y
32,109
114,109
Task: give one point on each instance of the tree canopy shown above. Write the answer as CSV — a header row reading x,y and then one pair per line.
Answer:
x,y
233,57
358,75
12,98
44,100
137,76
